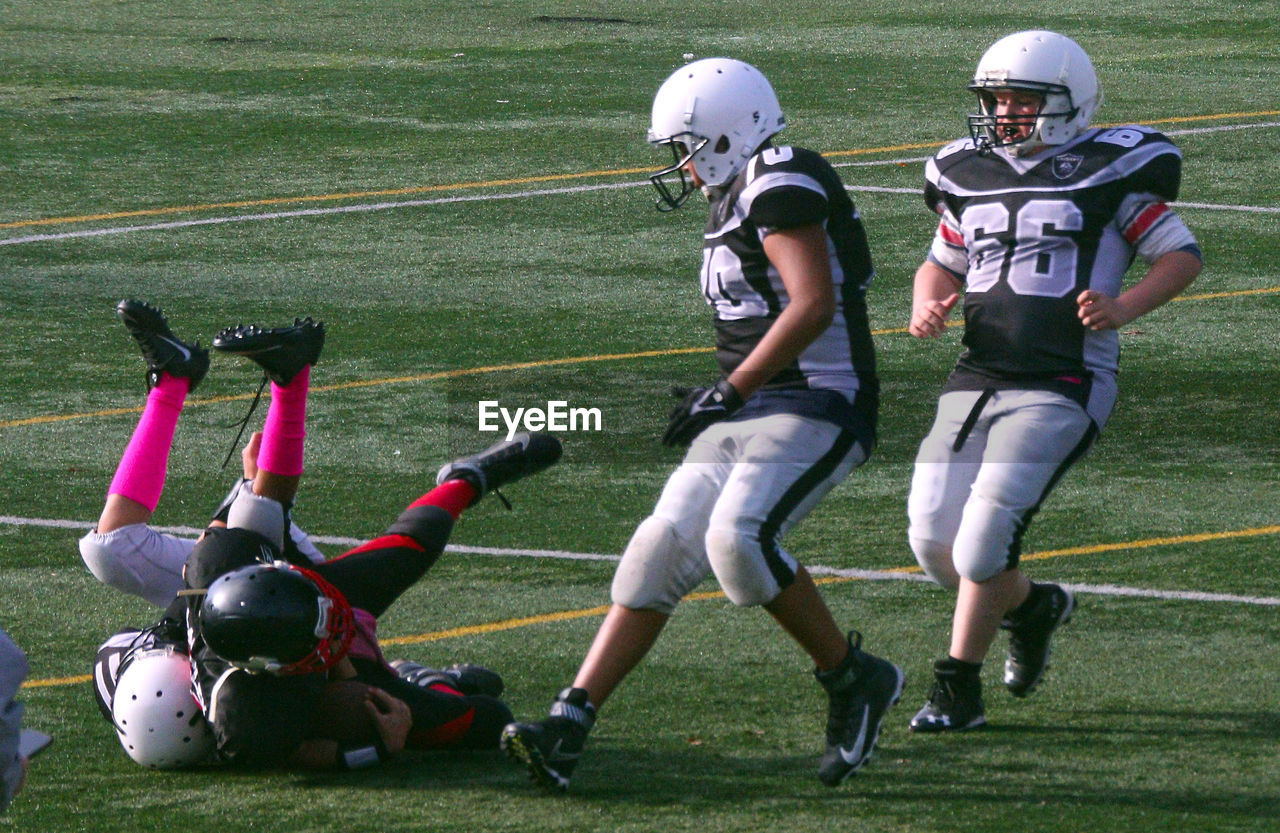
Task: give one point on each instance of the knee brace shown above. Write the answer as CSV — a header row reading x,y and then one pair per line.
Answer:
x,y
739,563
257,514
989,540
935,559
429,526
657,568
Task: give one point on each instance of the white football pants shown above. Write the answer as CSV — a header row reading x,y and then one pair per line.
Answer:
x,y
740,488
970,505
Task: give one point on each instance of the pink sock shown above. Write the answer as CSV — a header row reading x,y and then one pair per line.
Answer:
x,y
286,426
452,496
140,475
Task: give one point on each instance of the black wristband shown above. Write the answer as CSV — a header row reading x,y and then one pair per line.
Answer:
x,y
727,395
360,757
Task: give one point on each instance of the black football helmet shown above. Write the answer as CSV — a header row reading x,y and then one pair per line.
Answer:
x,y
276,618
224,549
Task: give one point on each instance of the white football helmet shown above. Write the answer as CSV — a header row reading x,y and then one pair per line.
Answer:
x,y
714,114
159,722
1052,65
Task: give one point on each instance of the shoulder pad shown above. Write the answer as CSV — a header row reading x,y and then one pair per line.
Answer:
x,y
783,157
1126,136
950,154
1146,157
952,148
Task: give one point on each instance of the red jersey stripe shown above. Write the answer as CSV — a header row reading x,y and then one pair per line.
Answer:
x,y
445,734
382,542
1144,221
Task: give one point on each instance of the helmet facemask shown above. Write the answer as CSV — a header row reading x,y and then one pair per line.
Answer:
x,y
1041,63
683,149
335,630
1047,125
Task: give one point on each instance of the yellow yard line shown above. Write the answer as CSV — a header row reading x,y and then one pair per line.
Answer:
x,y
601,610
496,183
502,368
1204,296
400,380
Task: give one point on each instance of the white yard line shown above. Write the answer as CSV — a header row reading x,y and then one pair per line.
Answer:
x,y
547,192
311,212
817,570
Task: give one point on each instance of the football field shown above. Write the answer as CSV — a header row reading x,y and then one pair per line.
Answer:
x,y
458,190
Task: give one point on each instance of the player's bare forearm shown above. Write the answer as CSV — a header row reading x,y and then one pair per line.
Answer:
x,y
800,256
317,753
1166,279
793,331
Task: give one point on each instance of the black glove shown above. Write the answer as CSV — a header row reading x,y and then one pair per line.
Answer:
x,y
700,408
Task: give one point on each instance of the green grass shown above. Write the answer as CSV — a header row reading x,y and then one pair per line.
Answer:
x,y
1159,713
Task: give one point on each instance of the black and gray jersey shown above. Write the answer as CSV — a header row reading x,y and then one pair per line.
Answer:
x,y
782,188
1028,235
120,649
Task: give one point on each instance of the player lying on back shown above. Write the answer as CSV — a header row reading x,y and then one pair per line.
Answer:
x,y
267,654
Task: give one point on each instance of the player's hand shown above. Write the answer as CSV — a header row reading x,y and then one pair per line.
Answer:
x,y
929,319
1101,312
699,408
249,455
392,717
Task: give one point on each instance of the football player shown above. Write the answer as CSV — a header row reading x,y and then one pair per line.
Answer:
x,y
122,550
785,269
263,712
1041,216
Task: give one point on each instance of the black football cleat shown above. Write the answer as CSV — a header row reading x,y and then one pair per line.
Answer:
x,y
1029,633
281,352
955,704
163,351
549,749
860,692
504,462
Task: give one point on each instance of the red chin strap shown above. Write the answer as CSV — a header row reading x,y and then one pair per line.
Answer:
x,y
335,628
